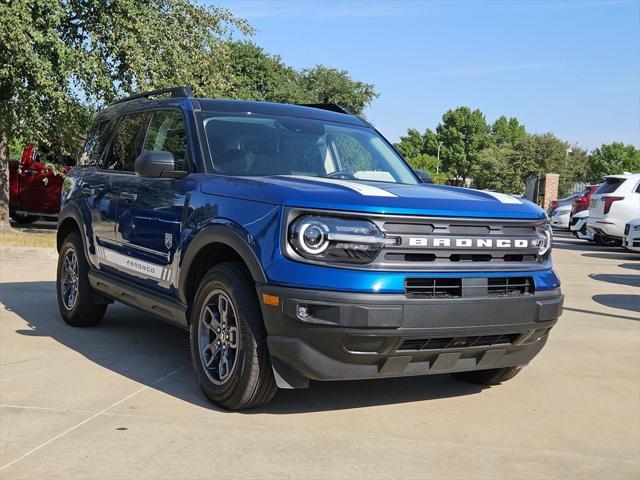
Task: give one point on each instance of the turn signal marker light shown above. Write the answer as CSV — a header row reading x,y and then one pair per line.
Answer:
x,y
272,300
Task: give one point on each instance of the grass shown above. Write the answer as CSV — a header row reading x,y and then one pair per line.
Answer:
x,y
16,238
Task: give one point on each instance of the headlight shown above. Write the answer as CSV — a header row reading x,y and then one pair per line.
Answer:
x,y
336,239
545,239
636,228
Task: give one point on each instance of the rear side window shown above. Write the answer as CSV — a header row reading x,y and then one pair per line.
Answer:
x,y
96,142
166,132
610,185
125,146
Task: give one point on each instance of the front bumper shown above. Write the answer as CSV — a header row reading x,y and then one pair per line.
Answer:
x,y
348,336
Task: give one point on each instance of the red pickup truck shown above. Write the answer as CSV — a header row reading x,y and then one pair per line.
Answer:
x,y
34,190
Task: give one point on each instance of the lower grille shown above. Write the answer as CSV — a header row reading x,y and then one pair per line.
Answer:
x,y
434,287
510,286
444,288
457,342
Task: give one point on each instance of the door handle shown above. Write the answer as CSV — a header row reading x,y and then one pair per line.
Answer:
x,y
88,192
128,196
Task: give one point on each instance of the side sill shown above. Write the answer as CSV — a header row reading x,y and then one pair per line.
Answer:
x,y
161,306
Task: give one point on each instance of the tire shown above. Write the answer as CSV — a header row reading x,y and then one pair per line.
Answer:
x,y
21,219
83,310
606,241
232,367
493,376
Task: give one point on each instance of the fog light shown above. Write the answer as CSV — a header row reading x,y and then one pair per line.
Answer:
x,y
303,311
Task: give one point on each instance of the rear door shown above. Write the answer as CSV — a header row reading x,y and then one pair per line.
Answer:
x,y
110,187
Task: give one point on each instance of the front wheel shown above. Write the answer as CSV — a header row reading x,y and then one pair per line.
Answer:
x,y
228,340
492,376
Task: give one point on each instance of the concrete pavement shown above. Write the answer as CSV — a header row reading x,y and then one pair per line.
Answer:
x,y
120,400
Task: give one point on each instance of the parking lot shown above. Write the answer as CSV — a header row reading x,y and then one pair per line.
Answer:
x,y
120,400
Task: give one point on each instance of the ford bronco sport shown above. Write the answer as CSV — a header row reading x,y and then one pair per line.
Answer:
x,y
295,244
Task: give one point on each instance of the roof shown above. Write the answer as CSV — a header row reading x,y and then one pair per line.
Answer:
x,y
277,109
233,106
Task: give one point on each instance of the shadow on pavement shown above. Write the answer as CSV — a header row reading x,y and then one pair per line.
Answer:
x,y
142,348
615,254
630,266
620,279
600,314
624,302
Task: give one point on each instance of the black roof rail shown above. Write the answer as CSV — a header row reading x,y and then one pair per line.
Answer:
x,y
332,107
174,91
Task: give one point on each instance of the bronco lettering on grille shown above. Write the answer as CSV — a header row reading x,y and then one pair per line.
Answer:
x,y
468,242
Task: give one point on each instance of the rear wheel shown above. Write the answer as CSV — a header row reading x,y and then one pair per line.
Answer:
x,y
606,241
77,302
228,340
493,376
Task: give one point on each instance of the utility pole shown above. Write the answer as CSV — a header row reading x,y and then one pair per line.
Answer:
x,y
438,164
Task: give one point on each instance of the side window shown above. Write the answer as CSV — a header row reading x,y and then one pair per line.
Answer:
x,y
166,132
126,142
638,188
96,142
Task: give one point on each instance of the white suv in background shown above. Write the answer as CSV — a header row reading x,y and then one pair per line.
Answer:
x,y
616,202
631,239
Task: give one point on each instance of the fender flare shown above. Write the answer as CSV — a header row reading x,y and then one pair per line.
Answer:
x,y
223,234
69,210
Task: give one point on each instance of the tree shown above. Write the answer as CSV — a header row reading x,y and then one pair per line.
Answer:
x,y
612,159
507,131
59,60
257,75
464,133
330,85
411,145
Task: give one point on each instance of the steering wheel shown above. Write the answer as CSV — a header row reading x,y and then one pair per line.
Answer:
x,y
341,175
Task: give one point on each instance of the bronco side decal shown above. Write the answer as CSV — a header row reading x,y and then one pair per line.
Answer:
x,y
139,266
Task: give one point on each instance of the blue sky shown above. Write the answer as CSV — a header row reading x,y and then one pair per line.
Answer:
x,y
572,68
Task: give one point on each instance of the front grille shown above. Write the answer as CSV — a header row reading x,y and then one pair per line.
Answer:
x,y
434,287
428,243
441,343
509,286
468,287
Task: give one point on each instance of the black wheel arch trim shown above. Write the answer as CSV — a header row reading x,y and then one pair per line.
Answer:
x,y
223,234
70,211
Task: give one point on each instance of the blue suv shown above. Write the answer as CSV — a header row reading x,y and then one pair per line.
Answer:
x,y
296,244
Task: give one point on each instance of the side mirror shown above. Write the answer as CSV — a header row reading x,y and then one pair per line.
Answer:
x,y
157,164
424,176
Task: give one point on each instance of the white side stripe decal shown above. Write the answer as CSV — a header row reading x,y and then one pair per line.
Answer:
x,y
139,266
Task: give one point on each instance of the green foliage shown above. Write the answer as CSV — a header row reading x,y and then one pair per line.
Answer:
x,y
412,144
60,60
329,85
612,159
464,133
508,132
428,163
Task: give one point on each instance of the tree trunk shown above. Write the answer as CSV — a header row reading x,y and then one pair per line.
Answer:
x,y
4,181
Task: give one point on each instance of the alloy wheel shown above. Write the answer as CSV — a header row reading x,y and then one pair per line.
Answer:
x,y
218,338
69,277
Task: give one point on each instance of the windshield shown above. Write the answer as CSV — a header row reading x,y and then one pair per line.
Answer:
x,y
261,146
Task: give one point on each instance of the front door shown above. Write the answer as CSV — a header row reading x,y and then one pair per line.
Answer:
x,y
150,210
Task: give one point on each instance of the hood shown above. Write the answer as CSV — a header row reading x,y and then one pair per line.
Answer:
x,y
372,197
